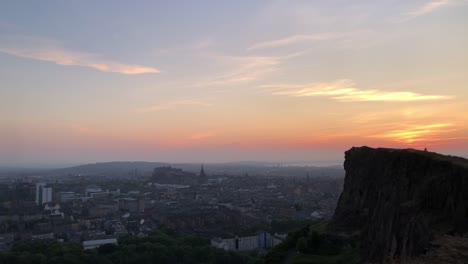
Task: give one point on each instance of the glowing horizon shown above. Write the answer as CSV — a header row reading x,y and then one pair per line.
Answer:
x,y
211,81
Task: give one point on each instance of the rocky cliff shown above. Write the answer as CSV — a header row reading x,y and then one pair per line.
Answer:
x,y
398,202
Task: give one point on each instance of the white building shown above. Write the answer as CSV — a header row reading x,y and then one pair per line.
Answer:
x,y
42,236
90,244
262,240
278,239
43,193
54,210
237,243
92,189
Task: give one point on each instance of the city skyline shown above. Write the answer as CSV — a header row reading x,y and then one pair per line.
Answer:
x,y
213,81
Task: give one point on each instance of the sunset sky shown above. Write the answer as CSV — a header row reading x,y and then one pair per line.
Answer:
x,y
215,81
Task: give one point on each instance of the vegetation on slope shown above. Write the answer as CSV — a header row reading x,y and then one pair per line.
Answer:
x,y
159,247
312,244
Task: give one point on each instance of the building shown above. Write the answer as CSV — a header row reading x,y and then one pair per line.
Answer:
x,y
102,209
278,239
92,189
202,171
316,215
53,210
104,194
43,193
42,236
90,244
131,205
65,197
169,175
263,240
236,243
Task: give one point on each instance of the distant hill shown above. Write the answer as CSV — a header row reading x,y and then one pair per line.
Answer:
x,y
117,168
233,168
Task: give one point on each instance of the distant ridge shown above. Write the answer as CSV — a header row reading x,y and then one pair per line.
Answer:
x,y
124,168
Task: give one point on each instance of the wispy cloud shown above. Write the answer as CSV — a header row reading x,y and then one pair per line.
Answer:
x,y
246,69
355,39
46,50
80,129
173,105
427,8
202,135
292,40
345,91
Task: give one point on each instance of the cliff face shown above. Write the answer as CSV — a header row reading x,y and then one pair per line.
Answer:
x,y
398,201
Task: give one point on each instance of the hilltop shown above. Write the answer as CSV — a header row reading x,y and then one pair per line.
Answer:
x,y
397,206
401,201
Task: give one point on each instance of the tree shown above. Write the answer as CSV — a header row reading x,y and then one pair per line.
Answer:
x,y
301,245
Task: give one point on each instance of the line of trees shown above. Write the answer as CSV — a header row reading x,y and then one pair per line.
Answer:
x,y
159,247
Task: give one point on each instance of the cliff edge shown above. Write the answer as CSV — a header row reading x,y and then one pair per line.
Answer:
x,y
400,201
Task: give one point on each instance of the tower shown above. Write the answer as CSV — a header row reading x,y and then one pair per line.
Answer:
x,y
202,172
202,178
43,193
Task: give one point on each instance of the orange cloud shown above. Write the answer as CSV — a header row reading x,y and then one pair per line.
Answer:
x,y
46,50
344,91
81,129
420,134
202,135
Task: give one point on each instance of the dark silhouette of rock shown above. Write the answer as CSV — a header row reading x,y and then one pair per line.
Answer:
x,y
398,201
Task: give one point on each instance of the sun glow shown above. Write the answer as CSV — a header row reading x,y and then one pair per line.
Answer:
x,y
418,134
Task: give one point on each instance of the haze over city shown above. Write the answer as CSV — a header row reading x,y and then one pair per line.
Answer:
x,y
221,81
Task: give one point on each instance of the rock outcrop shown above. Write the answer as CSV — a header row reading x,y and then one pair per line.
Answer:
x,y
398,201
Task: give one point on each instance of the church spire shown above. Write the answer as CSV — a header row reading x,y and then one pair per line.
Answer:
x,y
202,171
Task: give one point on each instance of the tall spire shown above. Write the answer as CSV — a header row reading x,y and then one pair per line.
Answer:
x,y
202,171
